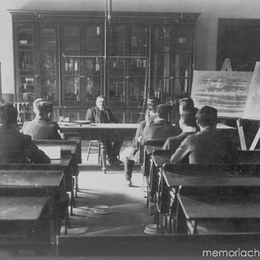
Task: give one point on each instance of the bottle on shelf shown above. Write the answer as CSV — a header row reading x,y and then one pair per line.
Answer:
x,y
76,65
71,64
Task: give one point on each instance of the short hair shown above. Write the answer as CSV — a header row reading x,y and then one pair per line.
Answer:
x,y
163,110
44,107
207,116
101,96
188,115
186,102
8,113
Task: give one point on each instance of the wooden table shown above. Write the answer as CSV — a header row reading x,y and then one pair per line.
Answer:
x,y
116,132
27,217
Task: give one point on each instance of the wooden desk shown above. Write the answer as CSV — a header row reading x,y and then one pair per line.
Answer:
x,y
200,208
190,179
116,132
37,183
26,217
67,147
157,160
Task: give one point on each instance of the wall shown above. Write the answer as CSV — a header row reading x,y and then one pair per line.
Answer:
x,y
206,49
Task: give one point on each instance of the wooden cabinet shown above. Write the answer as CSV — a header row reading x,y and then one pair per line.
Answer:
x,y
70,58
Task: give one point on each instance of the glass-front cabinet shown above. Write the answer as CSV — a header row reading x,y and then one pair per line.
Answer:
x,y
36,67
70,58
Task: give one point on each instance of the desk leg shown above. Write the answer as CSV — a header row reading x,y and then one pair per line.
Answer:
x,y
103,159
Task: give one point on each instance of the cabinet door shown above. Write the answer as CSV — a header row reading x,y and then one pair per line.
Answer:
x,y
127,64
47,79
82,63
172,60
37,66
25,67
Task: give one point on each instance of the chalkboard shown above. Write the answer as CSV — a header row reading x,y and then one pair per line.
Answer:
x,y
227,91
252,107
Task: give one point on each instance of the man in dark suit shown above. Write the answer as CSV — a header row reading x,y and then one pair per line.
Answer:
x,y
16,147
161,128
101,114
188,126
209,146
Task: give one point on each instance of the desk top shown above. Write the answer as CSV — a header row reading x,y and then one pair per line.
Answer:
x,y
212,179
30,178
200,208
21,208
150,148
160,160
97,126
65,161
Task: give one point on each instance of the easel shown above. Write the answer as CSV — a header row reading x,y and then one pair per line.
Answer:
x,y
252,108
227,67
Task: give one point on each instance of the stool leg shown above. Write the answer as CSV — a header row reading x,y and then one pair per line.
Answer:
x,y
89,149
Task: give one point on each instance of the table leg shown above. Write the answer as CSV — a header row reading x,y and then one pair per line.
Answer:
x,y
103,159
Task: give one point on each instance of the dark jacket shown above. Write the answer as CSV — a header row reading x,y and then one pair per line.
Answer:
x,y
172,143
40,129
158,129
19,148
94,115
207,147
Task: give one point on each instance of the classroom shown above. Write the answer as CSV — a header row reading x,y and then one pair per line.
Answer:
x,y
133,125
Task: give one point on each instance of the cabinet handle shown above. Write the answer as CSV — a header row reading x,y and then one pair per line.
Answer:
x,y
127,77
36,76
82,76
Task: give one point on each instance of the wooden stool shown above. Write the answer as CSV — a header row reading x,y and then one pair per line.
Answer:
x,y
94,144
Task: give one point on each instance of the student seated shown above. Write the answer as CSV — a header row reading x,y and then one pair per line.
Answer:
x,y
188,126
41,128
161,128
209,146
16,147
150,115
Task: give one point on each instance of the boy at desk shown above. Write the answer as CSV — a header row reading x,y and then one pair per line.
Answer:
x,y
16,147
209,146
40,128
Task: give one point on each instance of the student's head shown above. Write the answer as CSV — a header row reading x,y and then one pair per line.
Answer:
x,y
207,117
188,117
163,111
101,102
152,103
43,108
8,114
185,102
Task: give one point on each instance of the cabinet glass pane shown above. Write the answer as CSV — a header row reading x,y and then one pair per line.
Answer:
x,y
183,38
138,39
72,88
116,90
161,88
117,41
94,38
92,88
71,38
27,88
136,89
161,38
